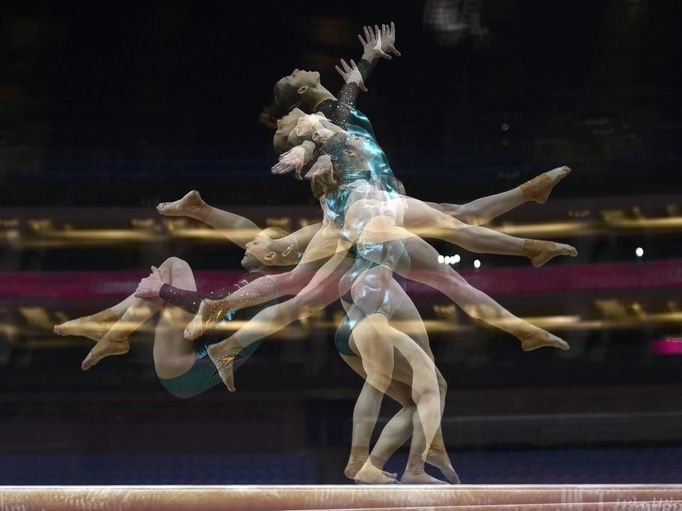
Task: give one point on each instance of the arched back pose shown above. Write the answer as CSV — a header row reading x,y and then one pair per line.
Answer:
x,y
302,92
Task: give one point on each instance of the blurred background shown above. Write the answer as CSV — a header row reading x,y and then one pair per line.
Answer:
x,y
106,111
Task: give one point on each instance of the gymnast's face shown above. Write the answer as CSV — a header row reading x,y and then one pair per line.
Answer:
x,y
301,80
284,127
257,253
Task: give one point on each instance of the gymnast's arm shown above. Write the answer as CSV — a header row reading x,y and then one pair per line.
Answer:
x,y
310,132
322,247
191,300
338,110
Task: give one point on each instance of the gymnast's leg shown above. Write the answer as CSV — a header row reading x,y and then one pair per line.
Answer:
x,y
426,270
406,317
376,290
483,210
424,220
371,292
375,340
115,341
111,327
397,431
322,290
264,289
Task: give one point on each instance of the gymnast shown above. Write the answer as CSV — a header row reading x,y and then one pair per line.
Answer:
x,y
368,321
181,366
248,298
350,156
170,290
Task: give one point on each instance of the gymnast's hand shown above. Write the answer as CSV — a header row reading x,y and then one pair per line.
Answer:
x,y
372,44
293,159
388,40
351,74
322,167
149,287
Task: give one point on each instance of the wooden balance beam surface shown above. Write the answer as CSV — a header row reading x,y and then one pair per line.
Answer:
x,y
385,498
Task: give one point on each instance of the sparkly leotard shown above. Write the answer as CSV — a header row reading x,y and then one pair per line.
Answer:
x,y
354,185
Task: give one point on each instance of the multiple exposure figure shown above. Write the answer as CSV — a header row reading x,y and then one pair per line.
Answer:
x,y
369,241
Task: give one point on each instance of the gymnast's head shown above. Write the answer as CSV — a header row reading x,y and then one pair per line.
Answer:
x,y
300,89
270,250
281,141
346,151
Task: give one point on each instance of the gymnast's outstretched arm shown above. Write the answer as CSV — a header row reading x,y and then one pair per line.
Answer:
x,y
375,45
322,247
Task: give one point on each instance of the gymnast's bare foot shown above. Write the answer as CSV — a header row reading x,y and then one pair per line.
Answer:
x,y
107,346
369,474
194,328
93,326
354,465
539,252
224,355
418,476
539,188
210,311
540,339
191,205
442,463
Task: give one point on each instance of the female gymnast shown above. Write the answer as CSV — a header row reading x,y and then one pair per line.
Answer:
x,y
181,366
185,372
251,297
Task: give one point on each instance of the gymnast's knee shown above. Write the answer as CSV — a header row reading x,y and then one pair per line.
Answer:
x,y
174,261
428,393
410,408
454,282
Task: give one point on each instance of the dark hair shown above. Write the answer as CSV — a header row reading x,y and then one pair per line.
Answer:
x,y
284,99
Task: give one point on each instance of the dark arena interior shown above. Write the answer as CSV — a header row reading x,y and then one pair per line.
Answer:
x,y
107,110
